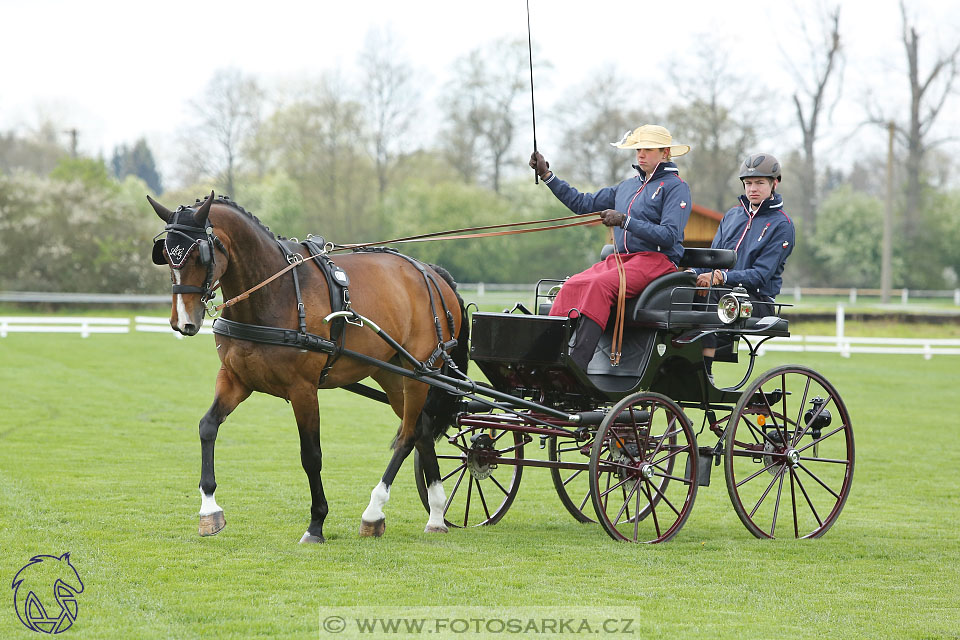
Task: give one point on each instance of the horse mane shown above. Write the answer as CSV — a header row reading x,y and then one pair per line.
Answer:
x,y
225,200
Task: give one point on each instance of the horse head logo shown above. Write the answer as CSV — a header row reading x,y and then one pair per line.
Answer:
x,y
45,593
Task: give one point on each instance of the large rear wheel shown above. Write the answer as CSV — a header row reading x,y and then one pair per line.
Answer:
x,y
789,454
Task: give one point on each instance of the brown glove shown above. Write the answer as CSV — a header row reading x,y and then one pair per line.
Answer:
x,y
612,218
540,165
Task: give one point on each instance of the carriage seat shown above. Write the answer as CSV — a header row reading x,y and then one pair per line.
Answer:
x,y
662,302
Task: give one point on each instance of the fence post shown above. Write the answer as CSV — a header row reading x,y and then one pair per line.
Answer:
x,y
853,295
842,345
903,296
796,294
956,297
480,289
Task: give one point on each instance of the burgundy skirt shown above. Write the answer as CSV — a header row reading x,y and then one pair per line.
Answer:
x,y
593,292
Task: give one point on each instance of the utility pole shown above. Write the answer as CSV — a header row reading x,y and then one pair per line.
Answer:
x,y
887,250
73,141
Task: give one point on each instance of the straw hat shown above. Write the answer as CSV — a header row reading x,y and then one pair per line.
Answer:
x,y
650,136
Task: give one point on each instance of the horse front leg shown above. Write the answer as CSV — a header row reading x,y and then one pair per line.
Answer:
x,y
228,394
307,412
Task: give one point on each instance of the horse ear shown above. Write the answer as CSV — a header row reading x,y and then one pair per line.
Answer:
x,y
165,214
200,217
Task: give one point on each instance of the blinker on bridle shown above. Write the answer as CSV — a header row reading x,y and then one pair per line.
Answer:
x,y
178,244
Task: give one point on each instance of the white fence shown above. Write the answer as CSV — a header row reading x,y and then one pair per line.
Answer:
x,y
839,343
58,324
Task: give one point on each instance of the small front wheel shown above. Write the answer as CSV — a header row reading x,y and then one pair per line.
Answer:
x,y
477,476
643,469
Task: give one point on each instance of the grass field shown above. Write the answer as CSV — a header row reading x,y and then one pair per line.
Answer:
x,y
99,456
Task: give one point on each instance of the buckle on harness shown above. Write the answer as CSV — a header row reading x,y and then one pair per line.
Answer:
x,y
294,258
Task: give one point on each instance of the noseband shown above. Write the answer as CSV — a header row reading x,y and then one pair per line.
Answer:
x,y
179,242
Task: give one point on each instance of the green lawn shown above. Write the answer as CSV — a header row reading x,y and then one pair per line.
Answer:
x,y
99,456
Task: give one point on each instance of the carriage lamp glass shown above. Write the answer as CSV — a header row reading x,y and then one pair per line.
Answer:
x,y
734,305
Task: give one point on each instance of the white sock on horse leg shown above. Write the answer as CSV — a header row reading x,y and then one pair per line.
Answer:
x,y
208,504
437,500
378,498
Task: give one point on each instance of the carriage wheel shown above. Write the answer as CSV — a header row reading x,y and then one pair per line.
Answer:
x,y
788,455
572,485
479,490
637,491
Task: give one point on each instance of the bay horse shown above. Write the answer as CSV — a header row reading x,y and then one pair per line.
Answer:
x,y
218,241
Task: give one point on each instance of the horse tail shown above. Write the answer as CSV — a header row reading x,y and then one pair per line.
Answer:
x,y
440,408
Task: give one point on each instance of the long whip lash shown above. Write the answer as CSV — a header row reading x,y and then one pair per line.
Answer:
x,y
533,109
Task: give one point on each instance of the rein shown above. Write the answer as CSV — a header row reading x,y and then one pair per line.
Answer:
x,y
459,234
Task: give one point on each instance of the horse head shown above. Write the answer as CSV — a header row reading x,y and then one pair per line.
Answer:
x,y
189,248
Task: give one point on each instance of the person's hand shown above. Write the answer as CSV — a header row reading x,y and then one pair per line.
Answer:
x,y
705,280
539,164
612,218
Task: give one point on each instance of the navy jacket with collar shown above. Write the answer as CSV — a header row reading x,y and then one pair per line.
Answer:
x,y
657,215
763,242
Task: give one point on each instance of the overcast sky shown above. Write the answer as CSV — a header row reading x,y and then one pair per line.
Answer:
x,y
121,70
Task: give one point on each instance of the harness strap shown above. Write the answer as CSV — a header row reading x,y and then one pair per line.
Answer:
x,y
616,346
272,335
443,347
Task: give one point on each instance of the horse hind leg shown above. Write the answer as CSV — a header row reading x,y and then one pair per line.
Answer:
x,y
373,520
436,497
229,393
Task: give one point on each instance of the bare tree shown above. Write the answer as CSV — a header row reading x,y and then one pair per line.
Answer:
x,y
825,57
480,105
391,100
928,94
227,115
924,109
719,120
597,113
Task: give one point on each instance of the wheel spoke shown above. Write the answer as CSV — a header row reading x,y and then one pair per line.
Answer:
x,y
803,403
499,486
793,500
663,496
776,505
460,468
809,502
483,500
822,438
754,475
769,486
573,475
455,487
820,482
466,506
626,504
653,511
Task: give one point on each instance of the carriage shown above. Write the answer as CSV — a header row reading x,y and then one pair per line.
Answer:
x,y
626,444
620,443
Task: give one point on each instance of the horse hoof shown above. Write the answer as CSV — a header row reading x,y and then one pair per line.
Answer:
x,y
211,525
432,528
309,538
374,529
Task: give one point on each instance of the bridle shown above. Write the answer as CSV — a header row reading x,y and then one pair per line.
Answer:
x,y
176,253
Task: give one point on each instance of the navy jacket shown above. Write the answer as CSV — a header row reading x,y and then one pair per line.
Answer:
x,y
657,215
763,241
